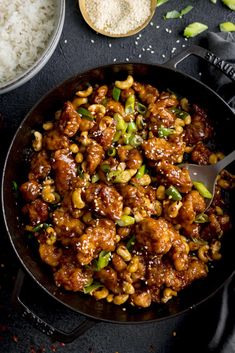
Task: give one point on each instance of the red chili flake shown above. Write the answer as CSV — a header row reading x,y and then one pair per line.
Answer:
x,y
15,338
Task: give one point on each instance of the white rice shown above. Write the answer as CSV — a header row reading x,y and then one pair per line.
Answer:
x,y
25,28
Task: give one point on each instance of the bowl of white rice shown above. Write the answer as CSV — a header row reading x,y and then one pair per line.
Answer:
x,y
29,33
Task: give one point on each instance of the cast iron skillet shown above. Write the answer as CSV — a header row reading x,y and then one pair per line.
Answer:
x,y
162,76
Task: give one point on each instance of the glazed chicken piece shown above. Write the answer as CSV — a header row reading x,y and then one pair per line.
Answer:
x,y
37,211
72,278
147,93
199,129
200,154
95,155
173,175
69,120
65,225
40,166
193,203
65,170
100,236
132,158
104,200
103,132
54,140
30,190
157,149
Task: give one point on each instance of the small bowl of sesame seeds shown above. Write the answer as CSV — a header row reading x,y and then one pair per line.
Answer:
x,y
117,18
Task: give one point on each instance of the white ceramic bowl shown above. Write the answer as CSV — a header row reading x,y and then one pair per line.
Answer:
x,y
46,54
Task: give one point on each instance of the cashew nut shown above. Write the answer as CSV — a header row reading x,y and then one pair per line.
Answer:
x,y
125,84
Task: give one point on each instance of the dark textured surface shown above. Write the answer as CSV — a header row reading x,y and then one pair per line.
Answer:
x,y
81,49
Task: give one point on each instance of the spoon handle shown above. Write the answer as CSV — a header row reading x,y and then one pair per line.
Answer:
x,y
225,161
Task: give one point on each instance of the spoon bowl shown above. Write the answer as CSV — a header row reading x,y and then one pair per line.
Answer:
x,y
207,174
86,16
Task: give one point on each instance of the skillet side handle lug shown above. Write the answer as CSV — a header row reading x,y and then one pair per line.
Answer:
x,y
52,332
211,58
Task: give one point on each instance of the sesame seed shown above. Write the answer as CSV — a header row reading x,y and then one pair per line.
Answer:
x,y
127,59
183,45
177,41
139,55
151,23
114,59
163,55
157,27
152,51
136,43
92,41
110,45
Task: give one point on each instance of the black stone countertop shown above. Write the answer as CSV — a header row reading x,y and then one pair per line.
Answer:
x,y
80,49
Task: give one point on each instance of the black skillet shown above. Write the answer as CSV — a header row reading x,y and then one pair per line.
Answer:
x,y
162,76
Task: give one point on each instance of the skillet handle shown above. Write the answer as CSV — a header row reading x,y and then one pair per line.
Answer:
x,y
52,332
211,58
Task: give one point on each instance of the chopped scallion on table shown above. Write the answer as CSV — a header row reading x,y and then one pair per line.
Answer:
x,y
193,29
178,14
230,4
227,27
161,2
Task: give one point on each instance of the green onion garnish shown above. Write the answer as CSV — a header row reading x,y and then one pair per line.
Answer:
x,y
130,104
227,27
103,260
130,244
125,221
90,288
141,171
173,193
201,218
164,131
116,93
105,168
161,2
141,108
85,113
230,4
193,29
203,191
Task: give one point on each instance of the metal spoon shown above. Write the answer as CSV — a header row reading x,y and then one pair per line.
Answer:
x,y
207,174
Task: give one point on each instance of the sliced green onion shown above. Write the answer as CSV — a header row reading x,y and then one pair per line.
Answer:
x,y
135,140
116,93
172,14
173,193
130,244
164,131
126,138
105,168
117,136
111,152
120,176
201,218
227,27
161,2
85,113
37,228
120,122
15,186
179,113
186,10
141,171
177,14
95,178
193,29
103,260
80,171
230,4
126,221
141,108
201,188
213,1
132,127
90,288
130,104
